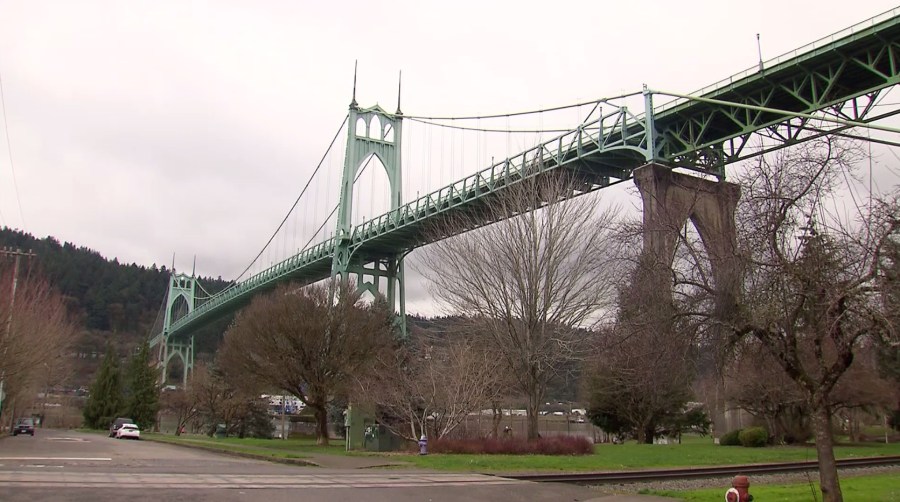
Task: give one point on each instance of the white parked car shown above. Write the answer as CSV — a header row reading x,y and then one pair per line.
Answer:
x,y
128,431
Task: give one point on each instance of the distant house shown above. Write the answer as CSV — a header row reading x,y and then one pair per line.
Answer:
x,y
290,404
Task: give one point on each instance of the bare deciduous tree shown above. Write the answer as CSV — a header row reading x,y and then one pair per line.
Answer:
x,y
811,279
757,384
233,401
642,373
181,404
34,334
430,385
529,281
301,341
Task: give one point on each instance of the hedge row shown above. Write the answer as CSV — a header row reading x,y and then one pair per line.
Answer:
x,y
751,437
556,445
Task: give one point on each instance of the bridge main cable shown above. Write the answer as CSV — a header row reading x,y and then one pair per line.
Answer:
x,y
530,112
294,206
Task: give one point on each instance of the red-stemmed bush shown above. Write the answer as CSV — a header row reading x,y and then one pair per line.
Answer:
x,y
555,445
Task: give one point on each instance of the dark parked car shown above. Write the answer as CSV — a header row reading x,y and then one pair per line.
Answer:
x,y
24,426
117,424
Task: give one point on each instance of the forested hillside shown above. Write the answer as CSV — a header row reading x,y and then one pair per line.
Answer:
x,y
107,299
104,295
119,303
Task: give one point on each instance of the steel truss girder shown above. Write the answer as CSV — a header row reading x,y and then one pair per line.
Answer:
x,y
791,130
844,85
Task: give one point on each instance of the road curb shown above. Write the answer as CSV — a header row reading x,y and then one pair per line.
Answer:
x,y
254,456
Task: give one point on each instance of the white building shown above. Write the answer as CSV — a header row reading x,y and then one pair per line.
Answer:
x,y
290,403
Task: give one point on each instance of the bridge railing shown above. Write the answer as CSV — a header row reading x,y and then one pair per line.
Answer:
x,y
787,56
274,272
618,129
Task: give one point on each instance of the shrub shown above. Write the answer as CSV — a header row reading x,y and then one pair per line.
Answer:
x,y
754,437
731,438
556,445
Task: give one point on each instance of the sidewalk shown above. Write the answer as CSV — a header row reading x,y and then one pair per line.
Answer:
x,y
517,491
347,462
327,461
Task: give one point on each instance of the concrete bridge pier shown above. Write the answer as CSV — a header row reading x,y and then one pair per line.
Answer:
x,y
670,199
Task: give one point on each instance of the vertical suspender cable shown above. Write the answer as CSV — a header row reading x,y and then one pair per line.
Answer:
x,y
297,201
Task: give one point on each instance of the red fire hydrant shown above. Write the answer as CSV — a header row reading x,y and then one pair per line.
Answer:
x,y
739,491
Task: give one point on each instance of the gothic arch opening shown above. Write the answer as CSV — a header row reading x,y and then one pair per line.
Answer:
x,y
174,370
361,128
371,191
179,308
375,131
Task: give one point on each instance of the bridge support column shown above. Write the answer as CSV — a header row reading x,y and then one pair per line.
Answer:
x,y
391,270
182,350
670,199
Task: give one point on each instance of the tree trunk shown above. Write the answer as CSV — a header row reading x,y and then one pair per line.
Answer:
x,y
644,433
496,417
828,475
533,411
321,425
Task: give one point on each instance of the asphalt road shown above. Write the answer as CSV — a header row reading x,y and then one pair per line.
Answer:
x,y
78,467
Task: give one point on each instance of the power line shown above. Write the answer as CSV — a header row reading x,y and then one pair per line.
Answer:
x,y
9,152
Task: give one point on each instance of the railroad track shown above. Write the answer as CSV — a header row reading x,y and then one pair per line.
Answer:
x,y
599,478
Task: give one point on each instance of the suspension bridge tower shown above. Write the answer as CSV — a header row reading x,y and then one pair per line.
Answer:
x,y
371,132
179,302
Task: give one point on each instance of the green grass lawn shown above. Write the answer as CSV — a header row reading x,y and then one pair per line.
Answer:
x,y
693,452
635,456
876,488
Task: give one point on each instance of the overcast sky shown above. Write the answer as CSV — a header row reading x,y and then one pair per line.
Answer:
x,y
143,129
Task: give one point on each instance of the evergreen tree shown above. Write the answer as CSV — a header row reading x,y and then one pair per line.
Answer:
x,y
142,399
105,400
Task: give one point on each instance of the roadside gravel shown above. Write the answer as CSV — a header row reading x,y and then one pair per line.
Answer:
x,y
725,483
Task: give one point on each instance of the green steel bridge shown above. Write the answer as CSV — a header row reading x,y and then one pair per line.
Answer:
x,y
828,87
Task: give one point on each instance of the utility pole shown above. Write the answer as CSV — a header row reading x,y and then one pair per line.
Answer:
x,y
18,254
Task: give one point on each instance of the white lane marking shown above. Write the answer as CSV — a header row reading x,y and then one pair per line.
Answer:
x,y
101,459
71,440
